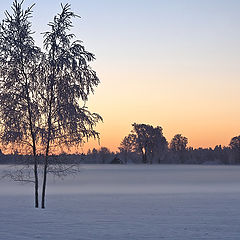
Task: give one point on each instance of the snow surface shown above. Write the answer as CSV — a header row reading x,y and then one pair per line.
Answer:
x,y
128,202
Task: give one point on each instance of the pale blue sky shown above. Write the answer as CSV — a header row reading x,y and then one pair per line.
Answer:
x,y
173,63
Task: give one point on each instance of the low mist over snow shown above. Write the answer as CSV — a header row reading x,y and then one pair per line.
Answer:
x,y
128,202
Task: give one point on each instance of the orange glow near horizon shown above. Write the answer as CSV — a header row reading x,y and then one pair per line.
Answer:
x,y
111,135
195,140
173,64
204,110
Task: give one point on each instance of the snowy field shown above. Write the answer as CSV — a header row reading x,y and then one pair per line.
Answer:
x,y
111,202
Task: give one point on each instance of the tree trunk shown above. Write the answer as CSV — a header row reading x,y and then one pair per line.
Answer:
x,y
35,169
36,183
144,157
49,124
44,181
35,156
47,149
33,139
35,176
46,162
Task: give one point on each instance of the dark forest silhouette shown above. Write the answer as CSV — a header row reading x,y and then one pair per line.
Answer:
x,y
131,150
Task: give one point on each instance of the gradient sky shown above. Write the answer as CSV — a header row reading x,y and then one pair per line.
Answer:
x,y
173,63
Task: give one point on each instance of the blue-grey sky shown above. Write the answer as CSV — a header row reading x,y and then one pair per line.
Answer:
x,y
173,63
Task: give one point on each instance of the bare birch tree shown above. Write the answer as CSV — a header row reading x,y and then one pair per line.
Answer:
x,y
43,95
19,59
68,81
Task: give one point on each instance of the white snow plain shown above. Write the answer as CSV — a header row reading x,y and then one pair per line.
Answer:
x,y
127,202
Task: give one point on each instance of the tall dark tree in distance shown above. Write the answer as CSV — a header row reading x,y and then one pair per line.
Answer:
x,y
149,141
19,61
68,82
145,140
235,143
178,143
178,146
235,146
127,146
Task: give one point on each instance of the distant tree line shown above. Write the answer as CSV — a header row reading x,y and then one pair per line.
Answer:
x,y
144,144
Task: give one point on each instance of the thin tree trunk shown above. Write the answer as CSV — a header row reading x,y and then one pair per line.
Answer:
x,y
35,158
144,157
46,159
35,175
47,148
44,181
36,181
33,140
46,162
49,124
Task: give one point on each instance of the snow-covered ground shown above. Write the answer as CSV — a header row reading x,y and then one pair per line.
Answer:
x,y
128,202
